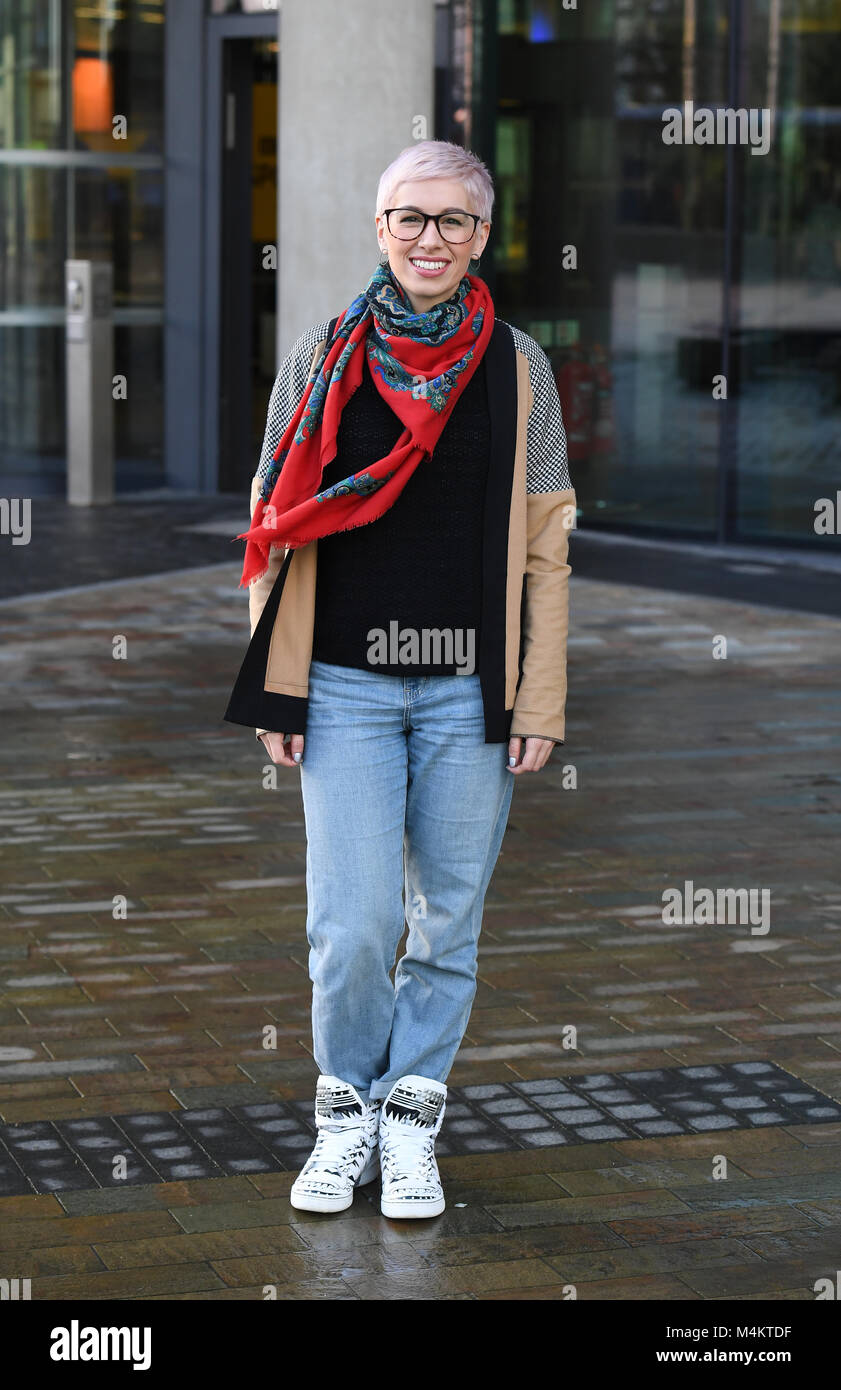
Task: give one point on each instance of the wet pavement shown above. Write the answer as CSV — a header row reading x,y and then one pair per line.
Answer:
x,y
151,533
644,1108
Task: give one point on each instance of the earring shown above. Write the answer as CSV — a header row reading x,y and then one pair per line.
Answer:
x,y
383,258
475,262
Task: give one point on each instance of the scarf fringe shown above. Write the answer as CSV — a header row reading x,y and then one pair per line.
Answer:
x,y
246,583
298,543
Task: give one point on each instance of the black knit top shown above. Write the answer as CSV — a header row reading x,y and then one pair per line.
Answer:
x,y
419,566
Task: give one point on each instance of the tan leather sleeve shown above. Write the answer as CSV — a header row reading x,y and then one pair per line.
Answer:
x,y
539,707
259,589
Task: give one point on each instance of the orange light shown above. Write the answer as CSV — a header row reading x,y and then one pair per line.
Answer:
x,y
93,95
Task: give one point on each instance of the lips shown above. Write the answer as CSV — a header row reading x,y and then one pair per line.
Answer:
x,y
426,270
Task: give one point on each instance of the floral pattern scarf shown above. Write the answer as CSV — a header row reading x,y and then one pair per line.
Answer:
x,y
420,364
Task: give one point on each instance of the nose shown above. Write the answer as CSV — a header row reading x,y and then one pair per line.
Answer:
x,y
430,239
431,245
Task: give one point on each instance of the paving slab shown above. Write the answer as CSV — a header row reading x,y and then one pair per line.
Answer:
x,y
152,923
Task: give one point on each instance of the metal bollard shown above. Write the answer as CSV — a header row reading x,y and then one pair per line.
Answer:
x,y
90,370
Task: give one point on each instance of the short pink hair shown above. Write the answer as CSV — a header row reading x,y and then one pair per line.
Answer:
x,y
439,159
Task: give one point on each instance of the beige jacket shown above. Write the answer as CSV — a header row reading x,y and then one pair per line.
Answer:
x,y
527,529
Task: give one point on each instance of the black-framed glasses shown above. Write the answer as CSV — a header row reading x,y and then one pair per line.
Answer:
x,y
405,224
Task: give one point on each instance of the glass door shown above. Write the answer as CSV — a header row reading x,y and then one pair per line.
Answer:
x,y
609,243
787,337
248,254
74,77
685,283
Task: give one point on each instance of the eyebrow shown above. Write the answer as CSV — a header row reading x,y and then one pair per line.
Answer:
x,y
412,207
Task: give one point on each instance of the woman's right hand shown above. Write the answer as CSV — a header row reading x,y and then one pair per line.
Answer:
x,y
279,752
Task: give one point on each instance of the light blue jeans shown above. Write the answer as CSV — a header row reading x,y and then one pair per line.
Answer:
x,y
400,791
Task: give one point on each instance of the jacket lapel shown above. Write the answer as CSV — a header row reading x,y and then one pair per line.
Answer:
x,y
501,369
250,703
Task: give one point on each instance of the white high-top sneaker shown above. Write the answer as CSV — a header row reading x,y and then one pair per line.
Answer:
x,y
345,1153
410,1119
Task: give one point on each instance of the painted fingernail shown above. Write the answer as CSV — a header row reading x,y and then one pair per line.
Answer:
x,y
512,762
297,757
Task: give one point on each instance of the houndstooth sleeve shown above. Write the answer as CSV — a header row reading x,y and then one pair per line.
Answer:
x,y
548,468
287,391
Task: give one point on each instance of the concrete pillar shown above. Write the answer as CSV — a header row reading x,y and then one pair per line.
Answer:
x,y
354,76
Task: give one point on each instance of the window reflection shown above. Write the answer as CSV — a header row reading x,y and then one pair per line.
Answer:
x,y
81,141
647,269
788,312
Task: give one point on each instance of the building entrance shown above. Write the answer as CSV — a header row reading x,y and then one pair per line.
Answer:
x,y
248,251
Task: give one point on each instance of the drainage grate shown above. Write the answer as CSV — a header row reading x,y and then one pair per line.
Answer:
x,y
171,1146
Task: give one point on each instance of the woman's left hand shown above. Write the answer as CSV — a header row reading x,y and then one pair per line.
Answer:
x,y
536,755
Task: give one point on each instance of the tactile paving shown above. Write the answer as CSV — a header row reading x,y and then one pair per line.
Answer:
x,y
170,1146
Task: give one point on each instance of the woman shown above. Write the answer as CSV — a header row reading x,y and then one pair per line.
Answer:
x,y
415,454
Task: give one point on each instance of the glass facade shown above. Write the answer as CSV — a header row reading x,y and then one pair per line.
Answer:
x,y
81,175
688,294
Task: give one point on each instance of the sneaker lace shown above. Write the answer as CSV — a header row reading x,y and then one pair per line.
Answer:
x,y
335,1146
407,1153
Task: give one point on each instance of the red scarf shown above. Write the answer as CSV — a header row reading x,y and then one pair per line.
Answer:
x,y
290,511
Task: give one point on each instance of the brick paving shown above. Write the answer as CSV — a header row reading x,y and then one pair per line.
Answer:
x,y
120,784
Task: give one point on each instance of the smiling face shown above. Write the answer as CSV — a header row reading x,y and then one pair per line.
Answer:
x,y
429,267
